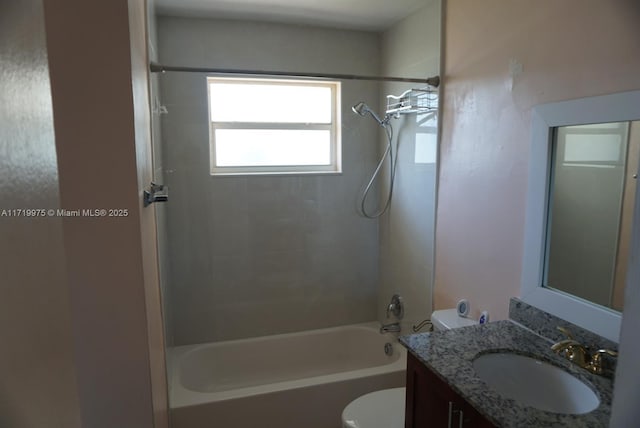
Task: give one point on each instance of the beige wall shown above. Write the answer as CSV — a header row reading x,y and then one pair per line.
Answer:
x,y
99,100
37,376
568,49
410,48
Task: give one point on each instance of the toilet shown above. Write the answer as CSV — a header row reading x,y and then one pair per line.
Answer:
x,y
385,408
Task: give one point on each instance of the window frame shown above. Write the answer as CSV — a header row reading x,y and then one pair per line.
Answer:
x,y
335,147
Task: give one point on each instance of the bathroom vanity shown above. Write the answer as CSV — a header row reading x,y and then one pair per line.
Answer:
x,y
430,401
573,279
444,387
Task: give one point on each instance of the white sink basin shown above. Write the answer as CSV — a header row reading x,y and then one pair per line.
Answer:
x,y
535,383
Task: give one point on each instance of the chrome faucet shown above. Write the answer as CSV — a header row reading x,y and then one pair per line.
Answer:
x,y
390,328
577,353
395,307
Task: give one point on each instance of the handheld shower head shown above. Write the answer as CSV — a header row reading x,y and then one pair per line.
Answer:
x,y
362,109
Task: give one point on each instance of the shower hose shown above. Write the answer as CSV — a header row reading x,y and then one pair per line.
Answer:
x,y
388,153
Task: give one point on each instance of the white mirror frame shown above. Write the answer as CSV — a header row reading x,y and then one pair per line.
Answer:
x,y
619,107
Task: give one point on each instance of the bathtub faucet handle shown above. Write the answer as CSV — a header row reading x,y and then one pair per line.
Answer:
x,y
396,307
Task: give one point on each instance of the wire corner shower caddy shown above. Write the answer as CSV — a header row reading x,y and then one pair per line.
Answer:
x,y
418,100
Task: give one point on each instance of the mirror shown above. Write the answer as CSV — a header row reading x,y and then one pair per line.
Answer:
x,y
591,201
575,247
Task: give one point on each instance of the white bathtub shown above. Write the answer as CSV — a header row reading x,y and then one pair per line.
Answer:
x,y
291,380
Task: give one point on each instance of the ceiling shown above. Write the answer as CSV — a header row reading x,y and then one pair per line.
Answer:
x,y
368,15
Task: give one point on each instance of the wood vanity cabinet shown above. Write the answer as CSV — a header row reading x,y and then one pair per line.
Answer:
x,y
431,403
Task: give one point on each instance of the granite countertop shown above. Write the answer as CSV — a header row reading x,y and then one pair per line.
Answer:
x,y
450,354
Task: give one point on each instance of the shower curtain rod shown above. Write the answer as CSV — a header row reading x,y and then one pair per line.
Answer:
x,y
158,68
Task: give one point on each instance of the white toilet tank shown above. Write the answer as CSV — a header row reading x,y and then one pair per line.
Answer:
x,y
446,319
385,408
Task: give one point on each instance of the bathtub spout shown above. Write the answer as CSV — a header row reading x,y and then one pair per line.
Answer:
x,y
390,328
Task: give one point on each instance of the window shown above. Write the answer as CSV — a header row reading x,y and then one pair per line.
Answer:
x,y
263,126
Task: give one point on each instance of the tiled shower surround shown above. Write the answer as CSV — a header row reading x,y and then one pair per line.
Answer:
x,y
277,254
272,253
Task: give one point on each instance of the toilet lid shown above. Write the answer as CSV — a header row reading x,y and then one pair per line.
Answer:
x,y
379,409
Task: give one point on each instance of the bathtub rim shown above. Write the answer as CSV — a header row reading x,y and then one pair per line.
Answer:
x,y
180,396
